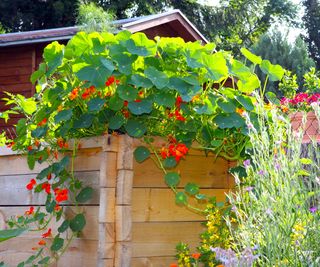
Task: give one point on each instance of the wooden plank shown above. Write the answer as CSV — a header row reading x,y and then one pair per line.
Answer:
x,y
90,232
125,153
106,237
8,62
17,88
160,239
153,261
106,211
14,79
105,263
80,253
124,187
204,171
150,205
17,184
123,254
15,70
123,223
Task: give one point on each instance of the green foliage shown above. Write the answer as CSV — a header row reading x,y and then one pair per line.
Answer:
x,y
311,22
294,57
141,153
11,233
93,18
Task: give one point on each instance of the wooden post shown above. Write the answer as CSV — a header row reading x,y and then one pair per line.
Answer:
x,y
123,216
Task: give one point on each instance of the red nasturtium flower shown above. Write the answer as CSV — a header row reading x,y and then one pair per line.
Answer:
x,y
61,143
42,242
176,150
43,122
31,184
30,211
196,255
61,194
57,208
37,143
29,148
47,187
47,234
112,80
88,92
74,94
10,145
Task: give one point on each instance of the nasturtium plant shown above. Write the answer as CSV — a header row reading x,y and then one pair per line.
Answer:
x,y
126,83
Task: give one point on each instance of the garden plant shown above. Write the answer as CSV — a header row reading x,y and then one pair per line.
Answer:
x,y
187,93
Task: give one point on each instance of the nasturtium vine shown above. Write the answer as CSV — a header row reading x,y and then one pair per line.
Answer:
x,y
126,83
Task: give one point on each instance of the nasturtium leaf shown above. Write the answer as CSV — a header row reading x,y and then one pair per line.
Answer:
x,y
115,103
138,108
31,161
39,132
181,198
28,105
191,188
272,97
21,264
38,73
116,122
275,72
57,243
226,106
95,104
45,260
58,167
140,81
78,223
216,143
63,115
139,44
78,45
216,65
246,102
64,226
135,128
127,92
232,120
239,70
53,55
84,195
248,83
166,99
11,233
84,121
50,205
44,173
141,153
172,179
169,163
252,57
220,204
158,78
96,70
124,62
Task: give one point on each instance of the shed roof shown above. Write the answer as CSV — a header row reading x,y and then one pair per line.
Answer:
x,y
175,18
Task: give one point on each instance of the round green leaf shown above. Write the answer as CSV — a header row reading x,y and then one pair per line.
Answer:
x,y
63,115
141,153
84,121
191,188
96,104
39,132
116,122
229,120
200,197
275,72
158,78
115,103
64,226
45,260
227,106
245,101
57,243
138,108
78,223
252,57
172,179
127,93
216,143
165,99
140,81
169,163
84,195
135,128
181,198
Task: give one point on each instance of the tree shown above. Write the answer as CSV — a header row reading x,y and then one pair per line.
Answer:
x,y
311,21
294,57
24,15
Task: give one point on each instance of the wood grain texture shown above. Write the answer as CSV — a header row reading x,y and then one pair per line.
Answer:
x,y
152,261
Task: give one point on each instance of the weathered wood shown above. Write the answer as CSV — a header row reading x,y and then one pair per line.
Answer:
x,y
106,241
153,261
108,169
124,187
153,204
125,153
123,223
123,254
107,205
160,239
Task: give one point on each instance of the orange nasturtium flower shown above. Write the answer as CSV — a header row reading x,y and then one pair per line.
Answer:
x,y
74,93
173,265
196,255
240,111
61,194
30,211
42,242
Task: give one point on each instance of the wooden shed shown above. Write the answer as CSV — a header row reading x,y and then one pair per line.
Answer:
x,y
21,53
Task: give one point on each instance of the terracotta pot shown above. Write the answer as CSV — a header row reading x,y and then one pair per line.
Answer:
x,y
311,128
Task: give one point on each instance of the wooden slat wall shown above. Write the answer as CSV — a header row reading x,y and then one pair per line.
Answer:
x,y
132,219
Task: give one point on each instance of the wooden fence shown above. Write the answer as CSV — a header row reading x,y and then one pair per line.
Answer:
x,y
132,219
